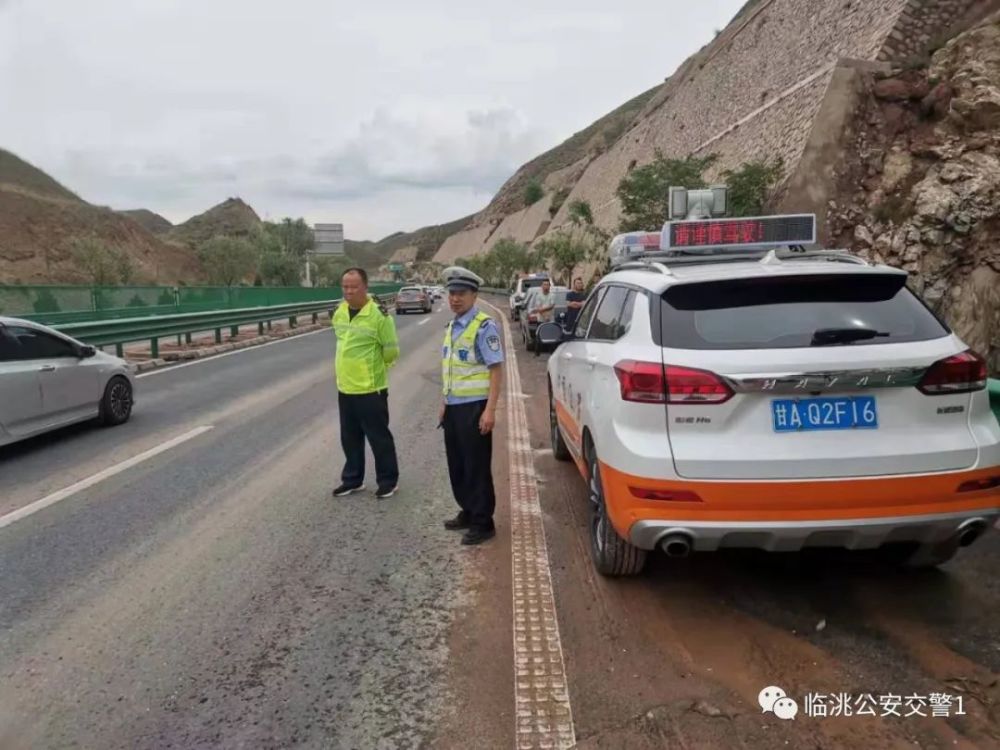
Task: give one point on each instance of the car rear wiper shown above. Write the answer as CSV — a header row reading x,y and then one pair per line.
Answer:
x,y
832,336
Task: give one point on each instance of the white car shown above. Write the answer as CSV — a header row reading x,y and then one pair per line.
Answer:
x,y
775,403
48,380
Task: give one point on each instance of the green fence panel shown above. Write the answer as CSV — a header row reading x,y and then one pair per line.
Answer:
x,y
54,305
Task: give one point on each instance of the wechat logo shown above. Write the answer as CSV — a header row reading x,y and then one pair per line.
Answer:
x,y
773,700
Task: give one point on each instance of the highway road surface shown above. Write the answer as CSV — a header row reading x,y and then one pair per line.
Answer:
x,y
186,581
214,594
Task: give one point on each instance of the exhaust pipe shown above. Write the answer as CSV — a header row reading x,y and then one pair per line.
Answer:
x,y
676,545
970,531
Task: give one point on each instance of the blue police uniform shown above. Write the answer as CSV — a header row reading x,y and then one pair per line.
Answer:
x,y
470,453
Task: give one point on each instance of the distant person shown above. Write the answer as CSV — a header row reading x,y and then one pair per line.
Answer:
x,y
544,304
366,348
471,374
575,298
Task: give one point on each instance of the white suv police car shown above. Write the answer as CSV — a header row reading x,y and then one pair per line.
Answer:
x,y
739,391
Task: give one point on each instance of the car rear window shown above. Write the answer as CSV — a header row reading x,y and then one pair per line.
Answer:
x,y
527,284
787,311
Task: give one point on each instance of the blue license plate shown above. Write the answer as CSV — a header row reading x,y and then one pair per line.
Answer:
x,y
808,414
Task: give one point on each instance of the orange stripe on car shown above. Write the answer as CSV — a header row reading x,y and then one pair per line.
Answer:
x,y
815,500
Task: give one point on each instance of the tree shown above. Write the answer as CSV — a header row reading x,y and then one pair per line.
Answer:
x,y
278,269
751,184
565,251
533,192
293,237
104,265
644,192
580,213
228,260
511,257
327,271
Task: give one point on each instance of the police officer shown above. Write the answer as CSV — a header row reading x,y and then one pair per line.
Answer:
x,y
366,348
472,373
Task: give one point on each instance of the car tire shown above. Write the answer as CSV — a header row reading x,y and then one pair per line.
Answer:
x,y
612,555
116,403
560,450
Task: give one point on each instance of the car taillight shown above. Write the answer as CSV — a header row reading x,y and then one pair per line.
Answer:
x,y
960,373
688,386
641,381
650,382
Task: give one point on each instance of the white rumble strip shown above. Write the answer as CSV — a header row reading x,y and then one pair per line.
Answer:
x,y
543,716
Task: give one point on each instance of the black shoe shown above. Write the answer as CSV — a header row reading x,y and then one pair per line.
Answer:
x,y
458,523
347,489
478,536
383,493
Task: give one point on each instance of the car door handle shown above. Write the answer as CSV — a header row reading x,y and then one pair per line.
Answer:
x,y
47,368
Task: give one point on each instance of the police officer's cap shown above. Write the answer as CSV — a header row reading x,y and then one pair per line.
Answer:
x,y
457,279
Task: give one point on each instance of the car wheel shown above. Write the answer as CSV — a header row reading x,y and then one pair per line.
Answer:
x,y
116,404
559,448
612,555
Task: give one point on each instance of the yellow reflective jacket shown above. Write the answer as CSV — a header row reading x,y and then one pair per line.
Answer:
x,y
366,348
462,374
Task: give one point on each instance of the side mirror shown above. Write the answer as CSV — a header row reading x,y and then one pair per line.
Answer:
x,y
86,352
549,333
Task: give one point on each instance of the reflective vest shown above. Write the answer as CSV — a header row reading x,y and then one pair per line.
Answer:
x,y
366,347
461,372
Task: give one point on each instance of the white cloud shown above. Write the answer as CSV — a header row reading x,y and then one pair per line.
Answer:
x,y
386,114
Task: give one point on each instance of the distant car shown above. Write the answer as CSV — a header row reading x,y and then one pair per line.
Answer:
x,y
49,380
520,291
437,293
413,299
529,322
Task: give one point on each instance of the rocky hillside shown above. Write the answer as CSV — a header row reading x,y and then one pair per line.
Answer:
x,y
882,113
921,188
232,217
17,174
40,220
150,221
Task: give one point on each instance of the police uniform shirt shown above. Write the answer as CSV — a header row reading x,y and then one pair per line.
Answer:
x,y
488,348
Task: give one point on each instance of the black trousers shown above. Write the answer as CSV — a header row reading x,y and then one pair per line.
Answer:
x,y
367,416
470,456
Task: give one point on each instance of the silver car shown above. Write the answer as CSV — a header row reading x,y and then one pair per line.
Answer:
x,y
49,380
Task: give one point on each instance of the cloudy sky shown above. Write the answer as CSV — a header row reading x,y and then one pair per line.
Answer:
x,y
382,114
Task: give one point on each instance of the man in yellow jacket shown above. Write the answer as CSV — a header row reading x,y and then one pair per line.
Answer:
x,y
366,348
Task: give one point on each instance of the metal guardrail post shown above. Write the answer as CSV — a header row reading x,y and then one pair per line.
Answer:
x,y
218,335
187,338
315,318
260,328
154,347
292,321
120,350
234,331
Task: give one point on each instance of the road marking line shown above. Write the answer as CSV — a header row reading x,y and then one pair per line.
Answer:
x,y
100,476
244,350
425,320
543,715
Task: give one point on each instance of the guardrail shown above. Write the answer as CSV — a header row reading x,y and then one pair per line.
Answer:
x,y
123,331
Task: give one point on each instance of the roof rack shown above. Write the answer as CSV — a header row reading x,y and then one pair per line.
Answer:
x,y
644,265
798,252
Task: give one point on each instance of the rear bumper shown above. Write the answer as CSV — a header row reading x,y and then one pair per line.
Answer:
x,y
790,515
791,536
